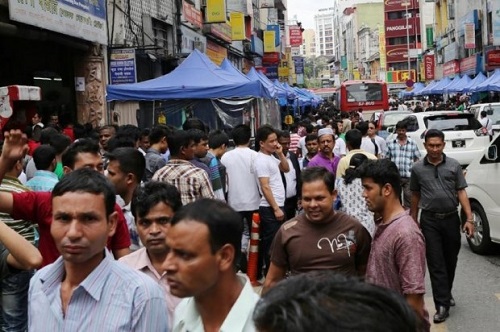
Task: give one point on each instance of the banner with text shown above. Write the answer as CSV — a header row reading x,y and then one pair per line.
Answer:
x,y
122,68
215,11
78,18
269,41
381,48
237,21
295,35
470,35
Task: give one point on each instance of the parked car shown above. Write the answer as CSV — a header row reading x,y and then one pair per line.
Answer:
x,y
483,179
384,120
493,111
463,137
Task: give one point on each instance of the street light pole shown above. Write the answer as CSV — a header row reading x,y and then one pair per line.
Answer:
x,y
408,39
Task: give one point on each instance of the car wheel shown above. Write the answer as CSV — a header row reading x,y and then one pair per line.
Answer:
x,y
480,242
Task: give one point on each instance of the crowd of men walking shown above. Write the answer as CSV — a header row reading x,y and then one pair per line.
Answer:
x,y
146,230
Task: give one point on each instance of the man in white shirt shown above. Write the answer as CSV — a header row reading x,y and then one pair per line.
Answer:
x,y
486,122
204,241
368,144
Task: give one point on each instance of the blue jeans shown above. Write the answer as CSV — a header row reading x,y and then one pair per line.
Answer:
x,y
14,302
269,225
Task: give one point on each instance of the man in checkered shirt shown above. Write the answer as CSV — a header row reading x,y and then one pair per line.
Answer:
x,y
403,151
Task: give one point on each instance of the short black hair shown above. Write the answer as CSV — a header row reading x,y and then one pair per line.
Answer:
x,y
283,134
198,135
241,134
217,138
46,134
362,127
43,156
130,131
434,133
352,172
484,113
262,134
311,174
382,171
177,140
121,141
145,132
194,123
152,193
112,127
83,145
157,133
311,137
131,160
328,301
402,125
225,225
86,180
60,142
353,137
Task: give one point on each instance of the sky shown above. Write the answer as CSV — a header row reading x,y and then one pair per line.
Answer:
x,y
305,10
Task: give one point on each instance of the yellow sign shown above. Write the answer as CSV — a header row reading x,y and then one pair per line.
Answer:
x,y
381,48
237,21
216,11
269,39
283,71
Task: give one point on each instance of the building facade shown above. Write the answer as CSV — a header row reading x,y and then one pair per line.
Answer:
x,y
324,36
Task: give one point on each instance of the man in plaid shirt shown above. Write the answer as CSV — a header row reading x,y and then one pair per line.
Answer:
x,y
192,182
403,151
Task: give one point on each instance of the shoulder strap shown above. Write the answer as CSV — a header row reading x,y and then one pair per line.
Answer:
x,y
376,146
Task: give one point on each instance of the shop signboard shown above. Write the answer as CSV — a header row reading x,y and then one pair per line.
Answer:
x,y
298,62
397,53
257,45
219,30
470,17
471,65
215,11
382,49
399,5
492,60
295,35
272,58
451,68
429,64
277,36
271,72
470,36
237,26
398,27
215,52
122,67
78,18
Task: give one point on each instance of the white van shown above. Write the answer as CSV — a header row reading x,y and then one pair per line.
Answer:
x,y
493,111
483,179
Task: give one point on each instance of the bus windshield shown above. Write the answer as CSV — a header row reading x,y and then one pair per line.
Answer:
x,y
363,92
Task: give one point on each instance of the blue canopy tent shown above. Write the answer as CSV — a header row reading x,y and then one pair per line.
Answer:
x,y
253,75
458,86
480,78
197,77
490,84
416,88
439,88
426,89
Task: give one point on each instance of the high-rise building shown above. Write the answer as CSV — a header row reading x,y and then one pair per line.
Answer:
x,y
325,43
308,47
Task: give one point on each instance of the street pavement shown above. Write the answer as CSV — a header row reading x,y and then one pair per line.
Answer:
x,y
476,291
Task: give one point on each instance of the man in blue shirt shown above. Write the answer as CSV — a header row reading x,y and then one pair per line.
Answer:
x,y
45,161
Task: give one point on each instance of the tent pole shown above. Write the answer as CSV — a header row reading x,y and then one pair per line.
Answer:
x,y
153,123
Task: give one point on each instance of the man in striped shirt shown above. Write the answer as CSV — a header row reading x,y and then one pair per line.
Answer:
x,y
86,289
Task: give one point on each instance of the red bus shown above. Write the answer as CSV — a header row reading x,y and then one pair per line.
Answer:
x,y
370,96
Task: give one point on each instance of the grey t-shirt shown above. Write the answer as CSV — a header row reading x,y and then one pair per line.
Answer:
x,y
438,185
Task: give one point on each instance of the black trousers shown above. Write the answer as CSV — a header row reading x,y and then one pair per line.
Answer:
x,y
290,208
442,242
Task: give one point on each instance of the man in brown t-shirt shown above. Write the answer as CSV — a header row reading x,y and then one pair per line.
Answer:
x,y
320,238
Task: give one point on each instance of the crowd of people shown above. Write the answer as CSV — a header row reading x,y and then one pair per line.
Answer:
x,y
123,229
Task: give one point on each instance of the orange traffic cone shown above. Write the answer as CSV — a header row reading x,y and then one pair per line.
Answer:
x,y
253,255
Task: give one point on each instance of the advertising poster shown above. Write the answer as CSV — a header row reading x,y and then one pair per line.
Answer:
x,y
238,26
470,36
78,18
216,11
269,41
122,67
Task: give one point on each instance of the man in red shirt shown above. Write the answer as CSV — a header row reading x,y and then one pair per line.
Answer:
x,y
37,206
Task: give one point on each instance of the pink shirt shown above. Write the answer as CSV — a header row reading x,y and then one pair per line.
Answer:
x,y
139,260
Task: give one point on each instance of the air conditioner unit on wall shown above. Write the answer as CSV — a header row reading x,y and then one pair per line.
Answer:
x,y
247,46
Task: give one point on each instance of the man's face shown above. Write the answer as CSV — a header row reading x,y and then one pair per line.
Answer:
x,y
401,133
373,195
191,267
36,119
144,143
189,150
104,136
89,160
118,178
54,120
340,126
80,227
270,144
285,143
372,131
317,201
153,228
201,148
434,147
312,147
326,144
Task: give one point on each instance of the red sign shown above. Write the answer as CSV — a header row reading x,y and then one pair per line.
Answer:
x,y
219,30
492,59
398,53
429,67
192,15
271,58
468,64
295,35
451,68
397,28
397,5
